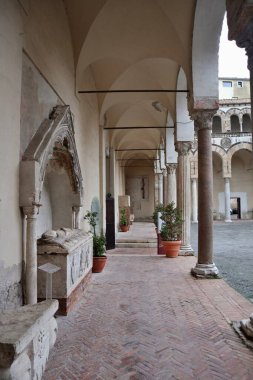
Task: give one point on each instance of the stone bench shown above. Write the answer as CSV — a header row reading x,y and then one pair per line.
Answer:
x,y
26,336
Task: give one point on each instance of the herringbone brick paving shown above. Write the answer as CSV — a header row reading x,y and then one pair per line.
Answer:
x,y
146,318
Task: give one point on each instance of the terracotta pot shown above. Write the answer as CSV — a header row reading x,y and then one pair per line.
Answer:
x,y
98,264
124,228
171,248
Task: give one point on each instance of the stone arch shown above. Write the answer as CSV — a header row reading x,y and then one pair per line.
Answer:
x,y
205,53
226,166
53,143
238,146
216,124
246,123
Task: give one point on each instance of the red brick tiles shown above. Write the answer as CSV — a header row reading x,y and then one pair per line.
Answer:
x,y
146,318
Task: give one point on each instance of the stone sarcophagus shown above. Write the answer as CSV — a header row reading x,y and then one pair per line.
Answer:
x,y
26,336
72,251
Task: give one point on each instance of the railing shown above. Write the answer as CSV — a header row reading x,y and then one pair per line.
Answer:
x,y
231,134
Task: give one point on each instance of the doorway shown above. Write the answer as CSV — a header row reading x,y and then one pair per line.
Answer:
x,y
235,208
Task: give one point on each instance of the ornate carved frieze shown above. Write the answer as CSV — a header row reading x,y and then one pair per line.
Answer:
x,y
71,250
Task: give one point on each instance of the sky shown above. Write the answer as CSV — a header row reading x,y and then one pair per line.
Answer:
x,y
232,60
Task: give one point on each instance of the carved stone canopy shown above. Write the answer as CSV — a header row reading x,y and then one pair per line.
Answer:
x,y
53,145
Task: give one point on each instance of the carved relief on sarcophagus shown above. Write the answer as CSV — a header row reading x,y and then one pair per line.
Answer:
x,y
71,250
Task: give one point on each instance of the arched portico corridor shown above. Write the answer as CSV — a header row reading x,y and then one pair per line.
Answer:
x,y
146,317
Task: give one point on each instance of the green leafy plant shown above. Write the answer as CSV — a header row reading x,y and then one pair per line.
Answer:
x,y
158,208
123,218
99,245
171,229
98,241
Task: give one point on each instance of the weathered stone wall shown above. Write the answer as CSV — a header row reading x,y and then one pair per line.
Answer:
x,y
10,286
37,101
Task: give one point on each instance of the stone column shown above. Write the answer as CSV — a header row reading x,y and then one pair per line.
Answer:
x,y
77,210
194,201
205,266
31,254
160,188
171,183
227,199
156,189
165,186
184,195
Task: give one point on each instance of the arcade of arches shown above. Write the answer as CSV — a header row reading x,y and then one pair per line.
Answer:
x,y
103,96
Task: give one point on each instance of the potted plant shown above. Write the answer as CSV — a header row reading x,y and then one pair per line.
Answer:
x,y
123,222
171,230
99,250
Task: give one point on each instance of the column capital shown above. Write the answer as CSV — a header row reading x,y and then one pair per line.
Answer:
x,y
203,118
171,168
183,147
245,40
31,211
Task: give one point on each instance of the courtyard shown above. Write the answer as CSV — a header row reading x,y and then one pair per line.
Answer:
x,y
146,317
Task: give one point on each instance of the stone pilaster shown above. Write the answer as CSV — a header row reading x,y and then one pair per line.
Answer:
x,y
31,254
171,183
205,266
194,201
184,194
227,199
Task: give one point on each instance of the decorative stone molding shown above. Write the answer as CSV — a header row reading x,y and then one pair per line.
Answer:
x,y
171,168
245,40
203,119
226,143
26,336
183,147
53,142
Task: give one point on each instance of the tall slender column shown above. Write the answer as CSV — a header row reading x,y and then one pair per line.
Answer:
x,y
160,188
165,186
194,201
183,194
171,183
156,189
227,199
205,266
31,254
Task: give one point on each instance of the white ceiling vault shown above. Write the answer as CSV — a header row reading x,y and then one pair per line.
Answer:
x,y
142,45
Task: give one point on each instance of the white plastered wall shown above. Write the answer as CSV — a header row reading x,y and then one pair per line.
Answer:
x,y
10,91
41,29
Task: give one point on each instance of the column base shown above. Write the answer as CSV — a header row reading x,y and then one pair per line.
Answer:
x,y
247,326
195,221
244,329
228,221
205,271
186,250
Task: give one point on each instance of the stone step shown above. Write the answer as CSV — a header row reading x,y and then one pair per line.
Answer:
x,y
135,244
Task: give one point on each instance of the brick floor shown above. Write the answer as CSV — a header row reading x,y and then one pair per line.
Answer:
x,y
145,317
